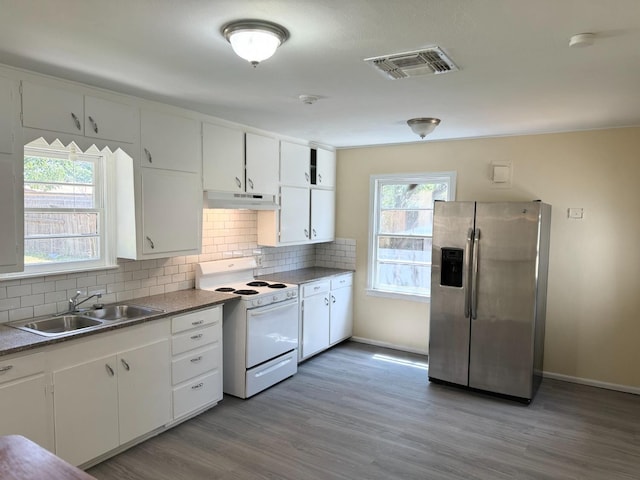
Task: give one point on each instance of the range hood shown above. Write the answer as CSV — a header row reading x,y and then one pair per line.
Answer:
x,y
248,201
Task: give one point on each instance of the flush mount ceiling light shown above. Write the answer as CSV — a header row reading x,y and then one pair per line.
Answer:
x,y
423,126
254,40
582,40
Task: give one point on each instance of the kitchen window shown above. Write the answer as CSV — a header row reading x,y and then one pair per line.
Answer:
x,y
67,219
400,232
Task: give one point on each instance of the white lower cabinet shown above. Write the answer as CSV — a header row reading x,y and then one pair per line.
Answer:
x,y
23,400
196,365
314,314
326,313
110,389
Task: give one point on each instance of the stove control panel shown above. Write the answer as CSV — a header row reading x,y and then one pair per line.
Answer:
x,y
268,299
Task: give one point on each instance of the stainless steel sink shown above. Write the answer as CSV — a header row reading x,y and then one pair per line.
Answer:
x,y
122,312
57,326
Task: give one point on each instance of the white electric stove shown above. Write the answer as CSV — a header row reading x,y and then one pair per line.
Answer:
x,y
260,331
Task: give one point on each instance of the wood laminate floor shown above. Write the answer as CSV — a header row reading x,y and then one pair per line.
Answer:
x,y
352,413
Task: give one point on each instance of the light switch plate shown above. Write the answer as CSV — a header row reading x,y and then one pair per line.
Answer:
x,y
575,213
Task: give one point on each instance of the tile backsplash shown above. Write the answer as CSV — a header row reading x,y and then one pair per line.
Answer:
x,y
225,233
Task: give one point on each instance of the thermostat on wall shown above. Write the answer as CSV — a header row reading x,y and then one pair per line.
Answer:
x,y
500,174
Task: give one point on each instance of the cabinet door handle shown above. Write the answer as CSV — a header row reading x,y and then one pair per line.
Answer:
x,y
6,368
326,301
333,299
125,364
197,322
250,182
148,154
109,370
196,387
306,233
93,124
196,359
319,178
76,121
196,337
238,182
151,243
314,232
306,176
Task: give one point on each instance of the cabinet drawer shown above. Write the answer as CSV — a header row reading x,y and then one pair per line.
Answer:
x,y
21,367
315,287
196,338
341,281
196,363
196,319
197,393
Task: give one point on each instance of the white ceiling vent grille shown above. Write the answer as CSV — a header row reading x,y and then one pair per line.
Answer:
x,y
429,61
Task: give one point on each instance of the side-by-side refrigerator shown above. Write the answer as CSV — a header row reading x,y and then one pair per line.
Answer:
x,y
488,295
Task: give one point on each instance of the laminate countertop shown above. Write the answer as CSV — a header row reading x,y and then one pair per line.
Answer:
x,y
13,340
303,275
22,459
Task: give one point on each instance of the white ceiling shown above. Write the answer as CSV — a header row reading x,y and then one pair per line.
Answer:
x,y
517,73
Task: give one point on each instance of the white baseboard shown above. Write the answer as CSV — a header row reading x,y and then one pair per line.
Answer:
x,y
388,345
592,383
552,375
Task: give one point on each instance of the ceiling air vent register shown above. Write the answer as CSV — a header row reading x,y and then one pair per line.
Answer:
x,y
430,61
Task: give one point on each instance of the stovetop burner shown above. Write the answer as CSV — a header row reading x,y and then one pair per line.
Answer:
x,y
246,292
277,285
225,289
257,283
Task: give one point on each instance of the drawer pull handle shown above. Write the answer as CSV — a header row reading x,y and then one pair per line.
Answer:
x,y
196,337
196,360
125,364
199,322
109,370
326,301
148,154
198,386
6,369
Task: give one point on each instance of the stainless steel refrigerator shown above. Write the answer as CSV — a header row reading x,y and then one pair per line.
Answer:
x,y
488,295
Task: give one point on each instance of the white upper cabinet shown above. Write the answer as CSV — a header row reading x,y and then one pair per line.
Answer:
x,y
262,158
325,169
66,111
55,109
322,215
170,142
294,215
222,158
11,189
171,213
295,164
109,120
8,95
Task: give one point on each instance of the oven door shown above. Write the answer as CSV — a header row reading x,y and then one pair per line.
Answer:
x,y
271,331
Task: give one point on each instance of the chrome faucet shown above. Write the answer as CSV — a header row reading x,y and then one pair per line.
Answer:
x,y
74,304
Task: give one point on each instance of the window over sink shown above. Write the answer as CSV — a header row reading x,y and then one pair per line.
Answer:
x,y
400,232
68,219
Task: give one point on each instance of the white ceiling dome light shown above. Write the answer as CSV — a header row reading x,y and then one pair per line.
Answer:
x,y
423,126
254,40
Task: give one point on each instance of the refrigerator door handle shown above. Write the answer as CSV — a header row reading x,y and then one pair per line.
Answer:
x,y
474,275
467,266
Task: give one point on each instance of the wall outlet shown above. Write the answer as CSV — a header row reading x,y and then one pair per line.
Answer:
x,y
575,213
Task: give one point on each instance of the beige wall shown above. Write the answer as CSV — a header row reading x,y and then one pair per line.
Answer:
x,y
593,321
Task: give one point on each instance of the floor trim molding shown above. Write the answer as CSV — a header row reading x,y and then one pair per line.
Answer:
x,y
552,375
592,383
388,345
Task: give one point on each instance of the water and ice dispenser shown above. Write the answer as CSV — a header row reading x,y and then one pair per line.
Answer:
x,y
451,271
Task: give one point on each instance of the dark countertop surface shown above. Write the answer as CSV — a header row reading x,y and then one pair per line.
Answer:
x,y
13,340
303,275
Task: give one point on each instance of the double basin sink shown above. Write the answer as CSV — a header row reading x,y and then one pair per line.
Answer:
x,y
71,323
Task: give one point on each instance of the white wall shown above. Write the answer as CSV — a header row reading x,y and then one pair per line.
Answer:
x,y
593,331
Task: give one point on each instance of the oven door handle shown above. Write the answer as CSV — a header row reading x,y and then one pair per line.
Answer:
x,y
277,306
